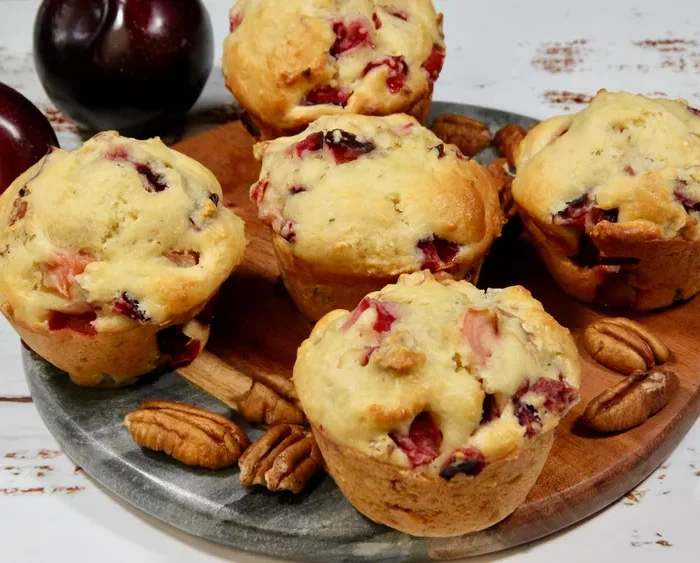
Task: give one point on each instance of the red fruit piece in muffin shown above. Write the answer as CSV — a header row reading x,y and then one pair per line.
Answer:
x,y
351,35
235,20
433,64
559,395
422,443
327,95
581,213
129,307
177,346
258,192
397,73
346,147
60,271
312,143
438,253
490,409
688,203
386,316
480,328
155,183
469,461
81,323
287,231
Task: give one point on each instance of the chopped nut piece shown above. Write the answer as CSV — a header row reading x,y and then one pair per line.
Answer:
x,y
398,353
187,433
283,459
470,136
631,402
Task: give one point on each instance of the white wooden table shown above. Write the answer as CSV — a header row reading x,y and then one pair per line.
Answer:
x,y
538,57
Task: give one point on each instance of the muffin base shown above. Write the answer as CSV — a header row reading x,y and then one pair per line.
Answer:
x,y
269,131
655,272
428,505
316,292
104,359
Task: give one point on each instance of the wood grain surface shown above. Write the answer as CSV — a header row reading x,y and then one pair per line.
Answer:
x,y
257,332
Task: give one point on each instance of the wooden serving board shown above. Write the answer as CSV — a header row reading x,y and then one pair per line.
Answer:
x,y
258,330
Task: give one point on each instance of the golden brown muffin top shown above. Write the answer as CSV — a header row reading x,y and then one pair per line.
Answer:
x,y
290,61
374,196
119,230
438,375
624,160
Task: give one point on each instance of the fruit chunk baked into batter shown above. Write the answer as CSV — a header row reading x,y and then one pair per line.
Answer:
x,y
291,61
117,235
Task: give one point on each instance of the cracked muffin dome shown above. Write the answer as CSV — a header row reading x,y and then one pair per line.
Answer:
x,y
117,235
290,61
611,197
446,395
370,198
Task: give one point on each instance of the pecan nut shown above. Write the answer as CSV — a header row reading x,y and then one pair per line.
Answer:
x,y
470,136
503,180
623,345
282,459
632,401
507,141
187,433
399,354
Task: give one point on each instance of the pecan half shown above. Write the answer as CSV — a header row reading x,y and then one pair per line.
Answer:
x,y
623,345
632,401
187,433
508,140
470,136
282,459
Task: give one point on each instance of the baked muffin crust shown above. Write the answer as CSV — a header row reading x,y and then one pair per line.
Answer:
x,y
610,198
116,234
438,376
376,196
624,159
290,61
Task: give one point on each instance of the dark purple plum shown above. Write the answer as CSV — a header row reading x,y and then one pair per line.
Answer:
x,y
129,65
25,135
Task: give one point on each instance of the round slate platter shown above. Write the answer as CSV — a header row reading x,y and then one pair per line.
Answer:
x,y
317,525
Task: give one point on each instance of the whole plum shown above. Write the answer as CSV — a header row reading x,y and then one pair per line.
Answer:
x,y
129,65
25,135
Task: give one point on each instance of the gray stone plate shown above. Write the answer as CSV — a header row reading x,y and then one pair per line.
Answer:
x,y
317,525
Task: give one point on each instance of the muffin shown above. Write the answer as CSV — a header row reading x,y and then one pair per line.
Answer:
x,y
434,403
611,198
355,201
289,62
108,254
